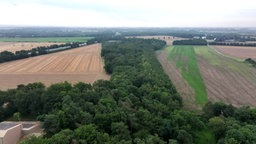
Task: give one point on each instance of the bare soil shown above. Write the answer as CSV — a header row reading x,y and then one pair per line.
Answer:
x,y
225,85
77,65
237,51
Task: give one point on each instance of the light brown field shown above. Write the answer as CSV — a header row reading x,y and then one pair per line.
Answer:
x,y
81,64
225,85
237,51
16,46
168,39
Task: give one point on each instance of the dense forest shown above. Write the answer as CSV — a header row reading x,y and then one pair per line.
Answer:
x,y
138,105
190,42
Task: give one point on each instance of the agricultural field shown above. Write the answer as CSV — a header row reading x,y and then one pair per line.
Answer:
x,y
17,46
168,39
81,64
46,39
207,74
237,51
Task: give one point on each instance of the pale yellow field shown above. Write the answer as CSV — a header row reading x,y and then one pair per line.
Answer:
x,y
81,64
17,46
168,39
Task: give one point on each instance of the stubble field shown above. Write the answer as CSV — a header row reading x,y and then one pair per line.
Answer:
x,y
81,64
17,46
168,39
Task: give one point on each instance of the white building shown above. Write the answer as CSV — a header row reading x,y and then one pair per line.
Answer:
x,y
11,132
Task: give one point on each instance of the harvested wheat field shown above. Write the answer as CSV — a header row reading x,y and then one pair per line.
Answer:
x,y
81,64
168,39
17,46
237,51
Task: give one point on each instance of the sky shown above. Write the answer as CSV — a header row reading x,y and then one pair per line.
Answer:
x,y
129,13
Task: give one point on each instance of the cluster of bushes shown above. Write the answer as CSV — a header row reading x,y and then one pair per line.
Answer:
x,y
251,61
9,56
190,42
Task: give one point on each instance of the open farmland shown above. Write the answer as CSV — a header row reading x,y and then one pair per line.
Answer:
x,y
17,46
81,64
225,79
186,63
237,51
168,39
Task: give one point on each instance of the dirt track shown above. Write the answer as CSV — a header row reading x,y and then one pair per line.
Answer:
x,y
81,64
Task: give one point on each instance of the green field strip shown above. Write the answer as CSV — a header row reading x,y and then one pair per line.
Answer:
x,y
185,58
47,39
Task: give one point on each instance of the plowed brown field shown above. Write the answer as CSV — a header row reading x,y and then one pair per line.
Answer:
x,y
81,64
16,46
237,51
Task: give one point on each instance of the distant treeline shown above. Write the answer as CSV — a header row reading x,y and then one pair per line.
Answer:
x,y
233,44
190,42
10,56
105,37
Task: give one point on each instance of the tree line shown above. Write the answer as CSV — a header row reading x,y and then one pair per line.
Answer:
x,y
190,42
6,56
138,105
234,44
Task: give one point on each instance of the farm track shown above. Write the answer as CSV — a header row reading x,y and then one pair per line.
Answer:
x,y
80,64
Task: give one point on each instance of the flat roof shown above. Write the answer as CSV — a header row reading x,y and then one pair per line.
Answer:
x,y
28,125
5,126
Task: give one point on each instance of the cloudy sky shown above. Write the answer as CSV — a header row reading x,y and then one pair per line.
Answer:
x,y
129,13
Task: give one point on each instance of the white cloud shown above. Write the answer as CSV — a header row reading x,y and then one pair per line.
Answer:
x,y
128,12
